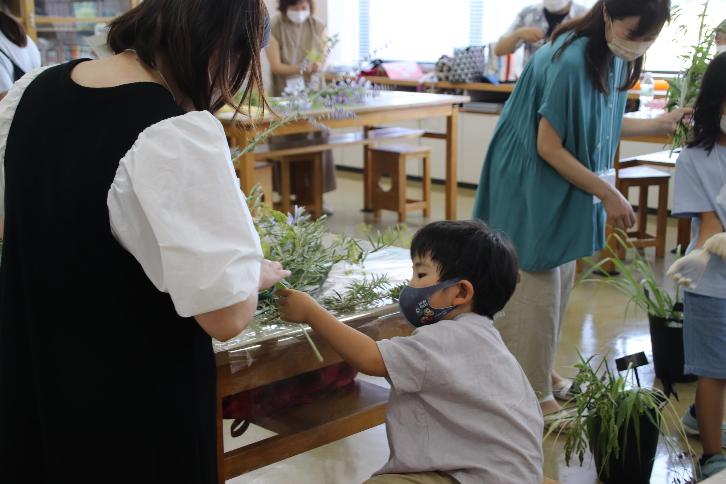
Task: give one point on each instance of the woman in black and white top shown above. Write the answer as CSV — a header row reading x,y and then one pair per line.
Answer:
x,y
18,53
127,244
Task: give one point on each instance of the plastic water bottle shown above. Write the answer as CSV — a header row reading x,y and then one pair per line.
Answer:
x,y
647,91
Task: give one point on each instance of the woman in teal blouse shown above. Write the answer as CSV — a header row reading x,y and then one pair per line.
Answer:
x,y
546,180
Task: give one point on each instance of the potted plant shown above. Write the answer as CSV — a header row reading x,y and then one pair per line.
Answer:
x,y
683,90
619,422
665,312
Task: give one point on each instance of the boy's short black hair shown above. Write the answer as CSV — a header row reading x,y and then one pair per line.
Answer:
x,y
470,250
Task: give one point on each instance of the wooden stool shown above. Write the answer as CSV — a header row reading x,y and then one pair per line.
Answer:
x,y
315,205
390,161
645,177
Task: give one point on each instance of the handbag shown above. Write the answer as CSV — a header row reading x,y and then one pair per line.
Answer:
x,y
468,65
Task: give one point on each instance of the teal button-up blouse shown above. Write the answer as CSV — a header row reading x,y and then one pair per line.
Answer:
x,y
550,221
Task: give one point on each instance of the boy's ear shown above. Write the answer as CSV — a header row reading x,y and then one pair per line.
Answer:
x,y
464,294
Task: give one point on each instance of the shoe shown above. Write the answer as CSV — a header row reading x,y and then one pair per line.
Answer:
x,y
713,466
327,209
690,425
564,390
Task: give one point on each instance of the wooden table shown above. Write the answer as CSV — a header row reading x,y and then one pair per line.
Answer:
x,y
278,352
386,108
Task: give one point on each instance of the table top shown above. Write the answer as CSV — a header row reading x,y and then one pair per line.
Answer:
x,y
379,101
666,158
393,262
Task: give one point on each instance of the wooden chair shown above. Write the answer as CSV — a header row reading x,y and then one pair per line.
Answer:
x,y
312,200
645,177
390,161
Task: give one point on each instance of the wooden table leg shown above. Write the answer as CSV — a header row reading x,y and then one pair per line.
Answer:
x,y
662,220
367,180
285,185
318,185
452,154
684,233
246,163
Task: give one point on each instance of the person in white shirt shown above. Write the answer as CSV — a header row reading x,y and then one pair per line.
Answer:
x,y
18,52
535,24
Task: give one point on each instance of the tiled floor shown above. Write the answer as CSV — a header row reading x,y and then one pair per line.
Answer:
x,y
596,323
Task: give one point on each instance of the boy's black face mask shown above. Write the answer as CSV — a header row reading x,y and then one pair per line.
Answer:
x,y
416,307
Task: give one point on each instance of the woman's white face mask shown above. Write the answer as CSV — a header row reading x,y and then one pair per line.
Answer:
x,y
555,5
720,49
626,49
298,16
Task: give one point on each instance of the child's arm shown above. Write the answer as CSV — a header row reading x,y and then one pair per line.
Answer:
x,y
710,226
356,348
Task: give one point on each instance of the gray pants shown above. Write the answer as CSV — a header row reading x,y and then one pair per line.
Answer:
x,y
532,322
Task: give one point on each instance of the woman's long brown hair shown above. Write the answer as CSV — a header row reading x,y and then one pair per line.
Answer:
x,y
13,30
191,33
653,15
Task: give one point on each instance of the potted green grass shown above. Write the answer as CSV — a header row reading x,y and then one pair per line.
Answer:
x,y
637,281
620,423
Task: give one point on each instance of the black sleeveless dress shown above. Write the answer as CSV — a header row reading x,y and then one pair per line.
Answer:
x,y
100,379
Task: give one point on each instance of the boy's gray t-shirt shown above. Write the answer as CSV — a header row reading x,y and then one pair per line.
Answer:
x,y
700,177
461,404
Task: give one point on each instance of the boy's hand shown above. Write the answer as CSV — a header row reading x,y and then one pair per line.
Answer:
x,y
296,306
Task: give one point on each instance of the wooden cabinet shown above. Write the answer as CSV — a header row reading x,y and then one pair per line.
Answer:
x,y
60,27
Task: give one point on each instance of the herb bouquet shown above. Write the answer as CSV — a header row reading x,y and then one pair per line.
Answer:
x,y
305,248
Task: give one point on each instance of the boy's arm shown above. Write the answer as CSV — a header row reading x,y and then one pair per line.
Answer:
x,y
356,348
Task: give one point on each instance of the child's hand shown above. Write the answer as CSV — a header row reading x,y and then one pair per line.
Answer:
x,y
296,306
687,270
716,245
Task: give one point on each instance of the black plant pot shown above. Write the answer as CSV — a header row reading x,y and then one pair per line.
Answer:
x,y
635,464
666,338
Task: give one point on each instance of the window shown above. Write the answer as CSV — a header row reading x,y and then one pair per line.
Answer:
x,y
421,30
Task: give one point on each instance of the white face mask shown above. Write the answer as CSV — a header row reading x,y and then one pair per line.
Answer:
x,y
555,5
720,49
628,50
723,124
298,16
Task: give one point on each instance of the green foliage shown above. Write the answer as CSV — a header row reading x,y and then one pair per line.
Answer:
x,y
683,90
359,294
606,406
636,280
306,248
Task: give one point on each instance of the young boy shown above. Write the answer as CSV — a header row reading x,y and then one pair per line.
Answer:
x,y
461,408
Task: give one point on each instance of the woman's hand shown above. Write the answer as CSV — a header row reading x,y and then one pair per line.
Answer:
x,y
296,306
619,211
270,274
668,122
530,35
